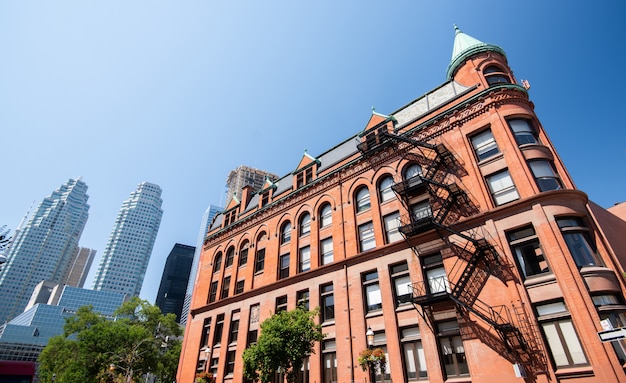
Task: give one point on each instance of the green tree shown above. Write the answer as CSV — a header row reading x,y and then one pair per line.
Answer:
x,y
286,339
94,349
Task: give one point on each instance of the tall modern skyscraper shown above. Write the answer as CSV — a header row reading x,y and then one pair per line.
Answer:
x,y
127,253
171,293
81,263
207,217
45,247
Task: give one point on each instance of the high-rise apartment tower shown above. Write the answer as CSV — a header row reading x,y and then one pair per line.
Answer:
x,y
127,253
45,247
245,176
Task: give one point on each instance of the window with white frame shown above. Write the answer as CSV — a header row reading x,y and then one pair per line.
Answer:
x,y
401,280
484,145
412,171
304,263
366,236
326,215
283,271
326,251
305,224
502,188
371,291
545,176
384,189
285,233
392,224
362,199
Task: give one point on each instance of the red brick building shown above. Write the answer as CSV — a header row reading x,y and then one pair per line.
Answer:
x,y
449,227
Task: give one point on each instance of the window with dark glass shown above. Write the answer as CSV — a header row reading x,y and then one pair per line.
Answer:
x,y
243,254
225,288
283,272
452,349
371,291
305,224
523,131
362,199
384,189
213,292
558,329
302,299
413,353
401,280
495,75
281,303
304,261
326,251
326,215
259,262
329,361
219,327
206,330
327,300
239,286
265,198
304,177
217,262
230,257
230,362
576,235
252,337
421,210
285,233
234,331
502,188
528,253
214,365
484,145
545,176
229,217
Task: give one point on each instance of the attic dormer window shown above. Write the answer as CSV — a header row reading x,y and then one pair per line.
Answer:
x,y
229,217
265,198
304,177
494,75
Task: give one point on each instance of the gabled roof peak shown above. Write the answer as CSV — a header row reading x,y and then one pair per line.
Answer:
x,y
466,46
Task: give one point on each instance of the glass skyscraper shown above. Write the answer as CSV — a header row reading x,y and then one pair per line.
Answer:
x,y
174,281
44,248
125,258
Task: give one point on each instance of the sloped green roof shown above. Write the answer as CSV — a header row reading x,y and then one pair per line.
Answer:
x,y
466,46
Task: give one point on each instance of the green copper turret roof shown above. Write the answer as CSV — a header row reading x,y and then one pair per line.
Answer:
x,y
466,46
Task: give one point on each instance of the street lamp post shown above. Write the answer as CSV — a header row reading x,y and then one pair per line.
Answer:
x,y
207,354
369,335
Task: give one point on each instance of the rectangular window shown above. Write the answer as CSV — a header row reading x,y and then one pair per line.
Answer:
x,y
328,302
502,188
265,198
485,145
225,288
239,287
259,263
561,337
281,303
403,290
252,337
544,175
219,327
302,299
452,350
206,330
326,251
525,246
392,223
435,274
284,266
421,210
304,263
413,354
214,365
366,236
329,362
213,292
234,331
230,362
523,131
371,291
576,236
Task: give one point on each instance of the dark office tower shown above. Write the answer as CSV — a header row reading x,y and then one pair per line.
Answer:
x,y
171,295
127,253
44,248
81,263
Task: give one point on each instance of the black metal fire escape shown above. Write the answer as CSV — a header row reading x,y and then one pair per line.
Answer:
x,y
480,257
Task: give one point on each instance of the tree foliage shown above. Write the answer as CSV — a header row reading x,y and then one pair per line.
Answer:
x,y
286,339
95,349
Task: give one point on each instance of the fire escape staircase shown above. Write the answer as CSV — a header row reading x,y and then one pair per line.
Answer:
x,y
482,256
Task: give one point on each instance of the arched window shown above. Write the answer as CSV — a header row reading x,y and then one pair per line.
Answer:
x,y
411,171
243,253
217,262
259,257
384,189
362,199
230,256
495,75
326,215
305,224
285,233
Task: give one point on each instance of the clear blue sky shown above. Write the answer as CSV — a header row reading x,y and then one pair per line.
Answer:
x,y
179,93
